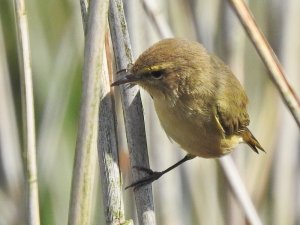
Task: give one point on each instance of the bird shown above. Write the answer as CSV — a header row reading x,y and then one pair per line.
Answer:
x,y
200,103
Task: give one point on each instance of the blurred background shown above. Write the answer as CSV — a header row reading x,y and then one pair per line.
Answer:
x,y
195,193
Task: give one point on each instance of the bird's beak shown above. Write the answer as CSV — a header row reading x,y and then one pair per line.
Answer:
x,y
126,79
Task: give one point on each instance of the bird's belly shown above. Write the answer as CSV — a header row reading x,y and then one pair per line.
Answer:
x,y
198,136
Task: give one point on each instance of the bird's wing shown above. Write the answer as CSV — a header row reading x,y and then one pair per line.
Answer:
x,y
231,113
232,116
231,103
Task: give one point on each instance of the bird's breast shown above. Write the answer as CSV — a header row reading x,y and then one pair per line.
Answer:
x,y
196,132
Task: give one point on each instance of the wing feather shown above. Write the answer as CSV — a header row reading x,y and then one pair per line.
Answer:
x,y
231,99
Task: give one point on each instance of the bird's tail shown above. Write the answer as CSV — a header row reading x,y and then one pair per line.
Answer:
x,y
251,140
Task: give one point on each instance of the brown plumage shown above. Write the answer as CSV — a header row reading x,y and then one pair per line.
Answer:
x,y
200,103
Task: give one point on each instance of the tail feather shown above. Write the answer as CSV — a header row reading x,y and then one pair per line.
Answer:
x,y
251,140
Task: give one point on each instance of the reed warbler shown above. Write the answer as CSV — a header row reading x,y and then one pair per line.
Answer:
x,y
200,103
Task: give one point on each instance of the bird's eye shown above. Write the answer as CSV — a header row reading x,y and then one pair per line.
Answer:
x,y
156,74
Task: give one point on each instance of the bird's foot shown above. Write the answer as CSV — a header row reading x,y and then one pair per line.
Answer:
x,y
152,176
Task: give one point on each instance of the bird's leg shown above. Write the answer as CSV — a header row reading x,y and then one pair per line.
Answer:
x,y
153,175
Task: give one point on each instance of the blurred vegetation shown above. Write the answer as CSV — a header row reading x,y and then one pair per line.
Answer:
x,y
196,193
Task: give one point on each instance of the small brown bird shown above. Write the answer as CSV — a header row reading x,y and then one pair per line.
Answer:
x,y
200,103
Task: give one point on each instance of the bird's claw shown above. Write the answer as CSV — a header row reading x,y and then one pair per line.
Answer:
x,y
152,176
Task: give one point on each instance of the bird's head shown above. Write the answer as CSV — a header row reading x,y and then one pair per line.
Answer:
x,y
167,69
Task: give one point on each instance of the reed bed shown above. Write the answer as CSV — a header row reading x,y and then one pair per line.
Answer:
x,y
197,192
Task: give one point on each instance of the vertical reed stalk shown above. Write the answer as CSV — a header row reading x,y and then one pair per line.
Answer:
x,y
29,149
133,113
81,193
